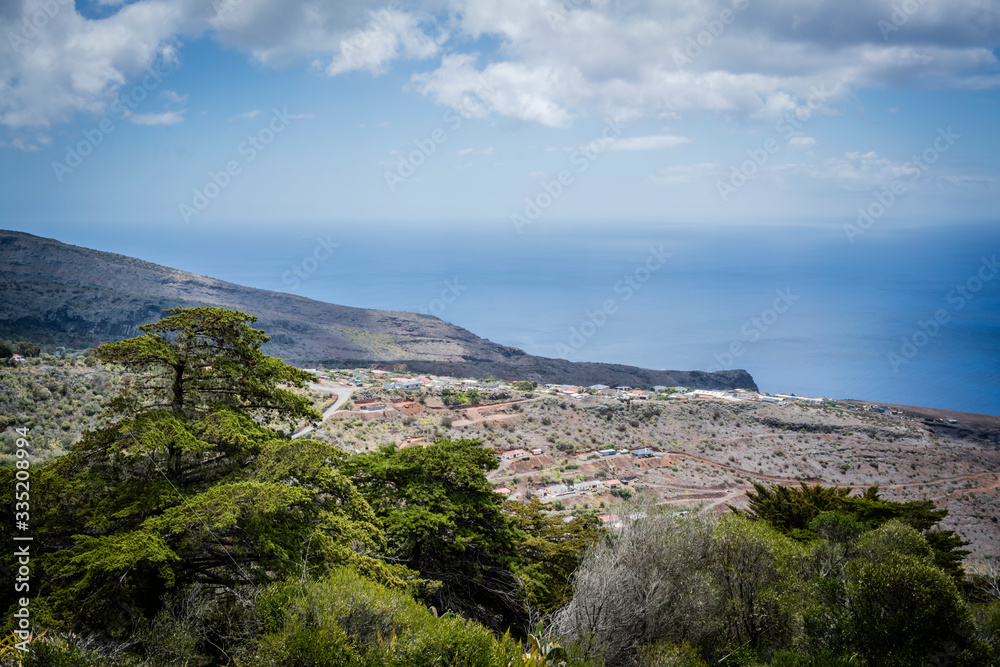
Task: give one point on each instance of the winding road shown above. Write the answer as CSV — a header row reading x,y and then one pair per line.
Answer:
x,y
343,394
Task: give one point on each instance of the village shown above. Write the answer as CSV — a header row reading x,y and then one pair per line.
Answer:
x,y
586,449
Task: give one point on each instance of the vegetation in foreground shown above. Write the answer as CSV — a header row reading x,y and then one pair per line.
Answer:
x,y
185,530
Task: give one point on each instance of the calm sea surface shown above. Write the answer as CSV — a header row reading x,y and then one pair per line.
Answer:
x,y
906,316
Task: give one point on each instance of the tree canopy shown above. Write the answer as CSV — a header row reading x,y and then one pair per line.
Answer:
x,y
186,483
200,358
443,519
792,510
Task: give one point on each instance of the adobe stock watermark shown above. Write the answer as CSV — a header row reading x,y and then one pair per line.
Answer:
x,y
928,329
698,44
790,123
249,148
32,24
552,190
629,284
302,270
425,147
753,329
901,13
449,294
916,167
123,107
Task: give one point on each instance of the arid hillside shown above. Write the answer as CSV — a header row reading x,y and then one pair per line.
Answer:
x,y
68,295
708,452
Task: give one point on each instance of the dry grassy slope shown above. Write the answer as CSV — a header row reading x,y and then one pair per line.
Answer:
x,y
715,449
87,296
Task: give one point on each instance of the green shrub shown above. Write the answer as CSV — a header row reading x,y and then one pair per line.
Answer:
x,y
344,620
667,654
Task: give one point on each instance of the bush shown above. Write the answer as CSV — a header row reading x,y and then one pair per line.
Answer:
x,y
666,654
344,620
647,583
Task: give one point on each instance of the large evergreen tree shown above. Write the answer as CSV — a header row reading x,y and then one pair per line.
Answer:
x,y
186,483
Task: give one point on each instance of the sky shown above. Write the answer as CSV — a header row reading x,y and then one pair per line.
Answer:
x,y
538,151
499,114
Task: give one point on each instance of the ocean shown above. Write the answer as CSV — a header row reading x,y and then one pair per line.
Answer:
x,y
900,314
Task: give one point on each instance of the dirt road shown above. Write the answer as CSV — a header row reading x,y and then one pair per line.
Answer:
x,y
343,394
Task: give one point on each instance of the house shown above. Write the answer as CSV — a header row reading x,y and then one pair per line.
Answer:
x,y
512,454
502,490
598,387
641,395
614,483
644,453
608,452
536,451
623,388
770,399
557,490
587,486
405,386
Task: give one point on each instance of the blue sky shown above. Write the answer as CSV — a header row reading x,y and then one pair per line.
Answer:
x,y
466,112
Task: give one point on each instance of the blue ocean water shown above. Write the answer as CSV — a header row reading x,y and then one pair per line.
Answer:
x,y
907,314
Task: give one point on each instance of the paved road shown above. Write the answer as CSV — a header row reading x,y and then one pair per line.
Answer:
x,y
343,393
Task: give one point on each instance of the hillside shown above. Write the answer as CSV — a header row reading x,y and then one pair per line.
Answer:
x,y
710,452
68,295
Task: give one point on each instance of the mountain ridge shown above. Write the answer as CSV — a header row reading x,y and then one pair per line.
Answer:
x,y
84,297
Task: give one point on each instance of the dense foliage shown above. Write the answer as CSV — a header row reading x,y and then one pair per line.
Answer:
x,y
443,519
794,511
187,528
742,591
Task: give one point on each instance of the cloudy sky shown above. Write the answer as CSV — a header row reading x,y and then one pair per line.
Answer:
x,y
496,112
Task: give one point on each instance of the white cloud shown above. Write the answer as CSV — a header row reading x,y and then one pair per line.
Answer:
x,y
857,171
165,118
652,142
248,115
801,142
684,174
508,89
556,61
70,64
28,144
388,35
617,144
561,60
173,97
